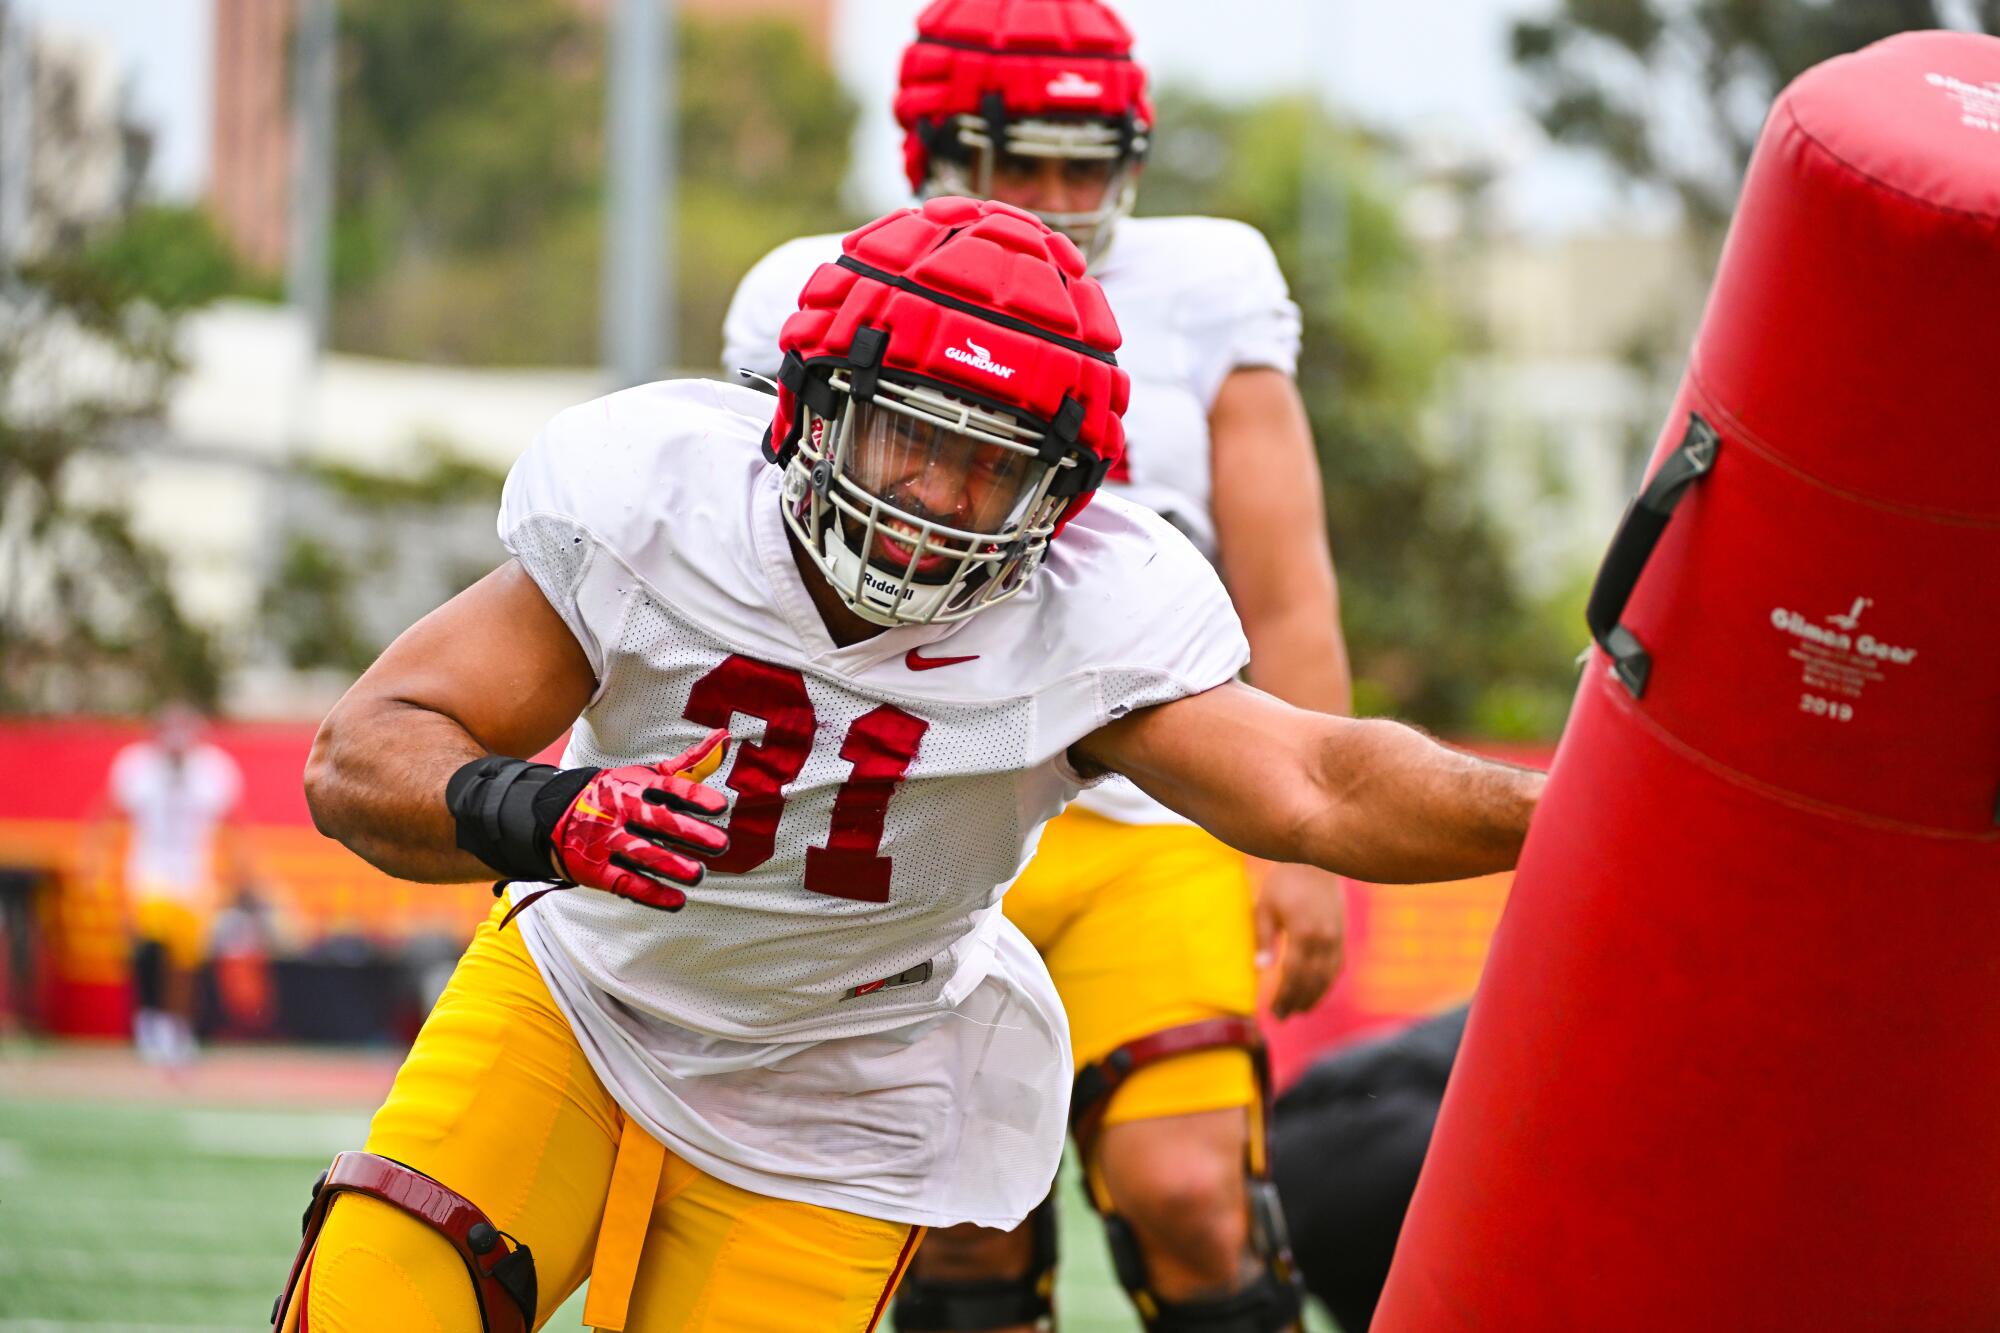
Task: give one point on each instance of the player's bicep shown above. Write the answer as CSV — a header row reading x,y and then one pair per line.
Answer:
x,y
1237,761
496,659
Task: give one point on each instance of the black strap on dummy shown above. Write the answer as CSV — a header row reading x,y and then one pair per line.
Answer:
x,y
1632,546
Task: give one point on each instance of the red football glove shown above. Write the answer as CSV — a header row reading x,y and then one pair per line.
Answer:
x,y
637,831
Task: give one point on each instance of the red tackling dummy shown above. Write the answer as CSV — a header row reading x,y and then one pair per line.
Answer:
x,y
1735,1061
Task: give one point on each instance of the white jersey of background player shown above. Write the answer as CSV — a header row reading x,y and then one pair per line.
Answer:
x,y
1195,299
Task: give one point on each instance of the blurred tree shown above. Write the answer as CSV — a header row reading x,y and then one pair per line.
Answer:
x,y
1436,626
1672,94
307,609
88,616
173,257
469,143
469,221
765,128
372,544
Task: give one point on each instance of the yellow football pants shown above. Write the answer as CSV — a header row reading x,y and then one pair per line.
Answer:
x,y
178,927
1145,927
497,1101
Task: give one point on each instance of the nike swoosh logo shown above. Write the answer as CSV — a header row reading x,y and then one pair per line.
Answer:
x,y
915,662
587,808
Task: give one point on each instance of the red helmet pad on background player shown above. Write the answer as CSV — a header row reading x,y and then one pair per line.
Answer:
x,y
973,324
1034,78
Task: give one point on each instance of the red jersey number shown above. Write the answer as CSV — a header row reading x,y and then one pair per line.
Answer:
x,y
879,746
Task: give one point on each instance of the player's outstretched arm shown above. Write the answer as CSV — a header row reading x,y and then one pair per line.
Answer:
x,y
1364,797
492,671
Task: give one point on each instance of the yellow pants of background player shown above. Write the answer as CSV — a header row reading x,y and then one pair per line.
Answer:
x,y
1144,927
177,926
497,1101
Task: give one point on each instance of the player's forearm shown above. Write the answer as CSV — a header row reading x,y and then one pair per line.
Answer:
x,y
1399,808
376,782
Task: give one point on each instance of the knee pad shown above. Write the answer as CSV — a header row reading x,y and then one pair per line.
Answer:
x,y
973,1306
502,1273
1270,1304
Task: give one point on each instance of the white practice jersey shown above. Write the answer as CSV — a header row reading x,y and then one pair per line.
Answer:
x,y
175,805
1195,298
839,1015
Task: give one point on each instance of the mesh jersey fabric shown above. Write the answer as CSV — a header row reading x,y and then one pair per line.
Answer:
x,y
650,520
1195,298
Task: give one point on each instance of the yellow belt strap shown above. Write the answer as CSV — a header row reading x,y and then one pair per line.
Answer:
x,y
628,1209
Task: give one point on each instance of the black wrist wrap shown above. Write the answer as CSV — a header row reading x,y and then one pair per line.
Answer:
x,y
506,811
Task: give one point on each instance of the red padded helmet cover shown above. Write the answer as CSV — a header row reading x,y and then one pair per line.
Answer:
x,y
990,262
1044,58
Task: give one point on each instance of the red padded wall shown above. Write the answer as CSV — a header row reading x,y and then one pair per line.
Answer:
x,y
1735,1059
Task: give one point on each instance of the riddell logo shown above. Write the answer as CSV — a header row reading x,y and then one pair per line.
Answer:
x,y
891,588
972,354
1072,84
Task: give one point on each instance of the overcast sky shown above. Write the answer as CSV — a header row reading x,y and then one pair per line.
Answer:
x,y
1436,67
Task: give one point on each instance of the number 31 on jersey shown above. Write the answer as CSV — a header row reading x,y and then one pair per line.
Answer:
x,y
879,746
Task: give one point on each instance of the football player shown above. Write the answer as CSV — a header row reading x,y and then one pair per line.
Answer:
x,y
1041,105
754,1023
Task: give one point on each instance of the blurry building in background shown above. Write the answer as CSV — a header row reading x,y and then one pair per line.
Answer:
x,y
70,156
1572,346
260,476
268,456
250,133
1576,345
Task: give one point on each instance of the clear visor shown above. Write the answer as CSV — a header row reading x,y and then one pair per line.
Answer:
x,y
1089,140
919,506
940,493
1098,166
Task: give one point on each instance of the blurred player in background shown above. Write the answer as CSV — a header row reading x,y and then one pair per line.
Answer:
x,y
1040,105
172,791
901,650
1348,1141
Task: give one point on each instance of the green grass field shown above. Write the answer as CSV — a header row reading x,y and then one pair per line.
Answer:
x,y
132,1201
